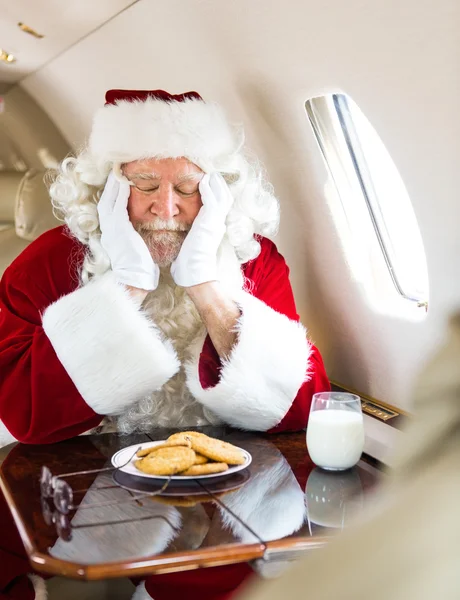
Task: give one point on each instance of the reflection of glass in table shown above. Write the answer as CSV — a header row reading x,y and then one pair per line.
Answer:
x,y
333,499
265,516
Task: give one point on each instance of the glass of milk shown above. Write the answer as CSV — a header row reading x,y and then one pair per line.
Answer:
x,y
335,431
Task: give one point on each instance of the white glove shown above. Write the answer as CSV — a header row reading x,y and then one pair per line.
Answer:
x,y
131,260
197,259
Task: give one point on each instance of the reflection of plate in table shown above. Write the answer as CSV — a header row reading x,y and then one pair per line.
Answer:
x,y
180,488
123,456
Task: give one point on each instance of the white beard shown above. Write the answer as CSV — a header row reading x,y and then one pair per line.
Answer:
x,y
164,246
172,310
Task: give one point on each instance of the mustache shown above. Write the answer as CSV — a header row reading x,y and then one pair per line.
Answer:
x,y
160,224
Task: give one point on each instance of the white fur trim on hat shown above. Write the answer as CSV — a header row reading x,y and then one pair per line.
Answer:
x,y
153,128
266,369
112,352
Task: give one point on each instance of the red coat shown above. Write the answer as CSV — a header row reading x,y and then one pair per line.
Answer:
x,y
55,337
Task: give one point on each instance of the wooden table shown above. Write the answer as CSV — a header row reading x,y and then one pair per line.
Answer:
x,y
169,534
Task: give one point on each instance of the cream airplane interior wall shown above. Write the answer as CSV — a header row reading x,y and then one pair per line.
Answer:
x,y
262,60
25,124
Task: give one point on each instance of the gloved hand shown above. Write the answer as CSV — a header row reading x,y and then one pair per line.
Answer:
x,y
131,260
197,259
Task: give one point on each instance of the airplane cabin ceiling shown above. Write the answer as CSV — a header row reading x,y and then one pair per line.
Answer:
x,y
62,24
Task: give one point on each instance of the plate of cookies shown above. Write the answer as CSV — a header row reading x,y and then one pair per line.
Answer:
x,y
183,456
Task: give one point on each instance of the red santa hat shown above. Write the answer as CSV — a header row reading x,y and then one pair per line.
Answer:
x,y
137,124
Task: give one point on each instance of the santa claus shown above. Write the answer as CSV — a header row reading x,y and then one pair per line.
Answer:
x,y
160,302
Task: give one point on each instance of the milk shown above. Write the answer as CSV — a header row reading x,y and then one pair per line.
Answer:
x,y
335,438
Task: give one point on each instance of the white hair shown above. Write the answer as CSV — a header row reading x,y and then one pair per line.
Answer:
x,y
79,182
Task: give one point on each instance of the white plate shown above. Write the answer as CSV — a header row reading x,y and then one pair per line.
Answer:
x,y
122,456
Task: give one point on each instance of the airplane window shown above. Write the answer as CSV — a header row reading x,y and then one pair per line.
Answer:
x,y
361,166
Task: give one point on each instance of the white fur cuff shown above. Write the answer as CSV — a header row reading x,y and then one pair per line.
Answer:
x,y
265,371
111,351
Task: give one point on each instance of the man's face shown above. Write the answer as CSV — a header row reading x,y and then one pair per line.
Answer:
x,y
163,203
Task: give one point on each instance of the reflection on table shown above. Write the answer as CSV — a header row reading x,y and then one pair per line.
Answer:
x,y
333,498
279,503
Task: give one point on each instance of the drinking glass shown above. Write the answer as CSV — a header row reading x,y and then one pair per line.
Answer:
x,y
335,431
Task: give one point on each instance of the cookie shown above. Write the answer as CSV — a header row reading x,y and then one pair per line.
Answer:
x,y
217,450
200,459
206,469
176,500
173,443
167,461
185,436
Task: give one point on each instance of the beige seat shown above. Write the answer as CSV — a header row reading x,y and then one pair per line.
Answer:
x,y
25,212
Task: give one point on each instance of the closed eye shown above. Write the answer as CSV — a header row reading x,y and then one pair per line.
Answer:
x,y
186,191
146,190
181,191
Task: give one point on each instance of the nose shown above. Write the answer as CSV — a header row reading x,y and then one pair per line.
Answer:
x,y
165,204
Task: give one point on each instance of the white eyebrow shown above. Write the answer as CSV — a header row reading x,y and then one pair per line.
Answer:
x,y
154,176
144,176
189,177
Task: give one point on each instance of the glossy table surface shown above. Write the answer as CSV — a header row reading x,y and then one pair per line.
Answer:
x,y
282,505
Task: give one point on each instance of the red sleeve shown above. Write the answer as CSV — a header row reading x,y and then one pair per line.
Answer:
x,y
38,401
272,286
267,278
